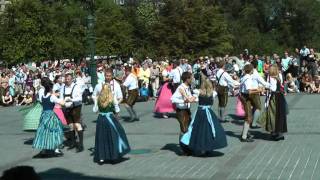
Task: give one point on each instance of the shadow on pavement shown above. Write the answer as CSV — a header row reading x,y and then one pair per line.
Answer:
x,y
261,135
232,134
174,148
28,141
63,174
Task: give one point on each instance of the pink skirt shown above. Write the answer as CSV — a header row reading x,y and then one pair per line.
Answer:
x,y
239,108
163,103
57,109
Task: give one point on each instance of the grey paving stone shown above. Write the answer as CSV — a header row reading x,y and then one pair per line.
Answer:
x,y
295,158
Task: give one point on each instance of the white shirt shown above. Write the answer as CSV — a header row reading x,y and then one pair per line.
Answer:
x,y
53,98
76,94
273,84
225,79
131,82
178,99
96,108
57,87
40,94
258,80
81,83
246,84
176,74
115,88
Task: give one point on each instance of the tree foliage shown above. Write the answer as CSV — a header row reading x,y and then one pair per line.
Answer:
x,y
53,29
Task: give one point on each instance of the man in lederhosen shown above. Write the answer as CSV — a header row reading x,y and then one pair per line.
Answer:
x,y
131,83
248,100
223,80
72,95
257,83
182,98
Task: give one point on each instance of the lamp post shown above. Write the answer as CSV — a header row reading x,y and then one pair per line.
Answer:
x,y
91,43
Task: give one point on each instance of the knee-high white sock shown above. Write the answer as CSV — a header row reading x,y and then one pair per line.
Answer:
x,y
245,130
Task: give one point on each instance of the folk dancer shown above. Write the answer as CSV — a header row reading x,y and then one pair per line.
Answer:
x,y
72,94
223,80
274,118
248,100
131,83
257,83
114,85
183,98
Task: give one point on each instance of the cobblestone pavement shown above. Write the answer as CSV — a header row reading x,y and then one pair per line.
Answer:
x,y
155,152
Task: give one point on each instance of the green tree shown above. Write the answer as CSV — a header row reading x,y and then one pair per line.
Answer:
x,y
189,28
114,33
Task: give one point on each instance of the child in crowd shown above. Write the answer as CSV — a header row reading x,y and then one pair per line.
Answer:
x,y
144,92
307,83
292,87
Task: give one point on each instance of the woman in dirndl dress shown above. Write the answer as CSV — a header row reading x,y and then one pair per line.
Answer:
x,y
58,108
32,118
205,133
49,134
111,142
274,117
163,104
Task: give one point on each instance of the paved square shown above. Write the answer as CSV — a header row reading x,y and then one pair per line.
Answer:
x,y
155,150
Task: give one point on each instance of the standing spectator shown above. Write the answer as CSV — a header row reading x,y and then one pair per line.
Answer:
x,y
285,63
266,66
29,79
154,78
304,52
100,75
144,75
312,65
20,79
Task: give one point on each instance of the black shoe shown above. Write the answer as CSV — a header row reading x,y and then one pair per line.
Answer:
x,y
249,136
79,149
278,138
40,156
255,127
72,146
130,120
136,119
246,140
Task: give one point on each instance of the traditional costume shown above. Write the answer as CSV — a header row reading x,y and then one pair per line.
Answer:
x,y
223,80
257,81
49,135
205,133
131,83
57,108
32,118
111,142
182,108
274,118
163,104
73,97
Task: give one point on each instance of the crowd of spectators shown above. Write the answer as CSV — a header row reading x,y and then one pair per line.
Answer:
x,y
20,83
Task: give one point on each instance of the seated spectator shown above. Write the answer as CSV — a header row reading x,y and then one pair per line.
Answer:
x,y
317,84
7,99
291,84
27,100
308,84
19,98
